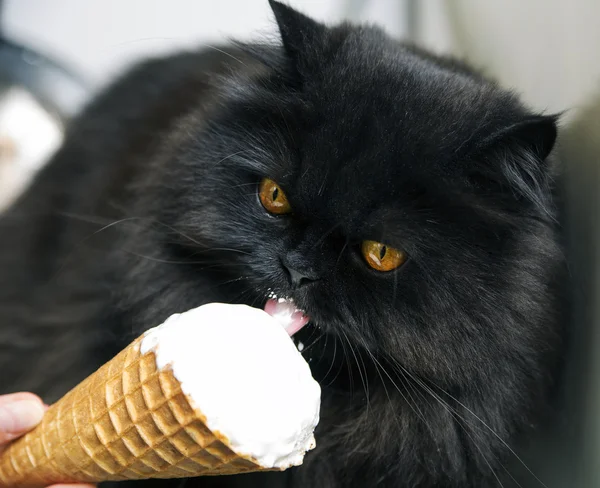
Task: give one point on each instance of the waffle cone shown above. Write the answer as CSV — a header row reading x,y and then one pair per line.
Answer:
x,y
126,421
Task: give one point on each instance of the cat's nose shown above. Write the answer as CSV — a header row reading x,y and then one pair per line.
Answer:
x,y
298,277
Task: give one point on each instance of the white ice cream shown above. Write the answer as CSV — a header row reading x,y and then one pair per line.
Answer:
x,y
243,372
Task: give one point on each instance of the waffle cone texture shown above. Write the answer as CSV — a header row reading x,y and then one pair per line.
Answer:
x,y
128,420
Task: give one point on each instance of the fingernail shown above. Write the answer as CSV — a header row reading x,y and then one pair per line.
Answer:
x,y
20,416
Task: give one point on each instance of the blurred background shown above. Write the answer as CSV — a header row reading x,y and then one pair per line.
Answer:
x,y
55,55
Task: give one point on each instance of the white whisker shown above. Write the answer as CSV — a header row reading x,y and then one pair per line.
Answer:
x,y
476,417
364,379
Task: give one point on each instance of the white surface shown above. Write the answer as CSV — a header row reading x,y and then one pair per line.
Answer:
x,y
28,134
101,37
243,372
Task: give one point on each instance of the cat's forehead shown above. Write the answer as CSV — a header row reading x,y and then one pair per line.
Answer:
x,y
382,132
365,135
379,102
382,122
331,186
384,117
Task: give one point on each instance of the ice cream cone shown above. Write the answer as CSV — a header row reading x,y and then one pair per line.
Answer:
x,y
129,420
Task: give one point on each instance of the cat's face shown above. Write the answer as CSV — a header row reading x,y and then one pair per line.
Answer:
x,y
365,141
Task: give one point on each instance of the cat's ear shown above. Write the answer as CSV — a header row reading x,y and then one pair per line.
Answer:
x,y
301,35
519,150
534,134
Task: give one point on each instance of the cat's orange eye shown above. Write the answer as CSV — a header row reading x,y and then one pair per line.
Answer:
x,y
382,257
273,198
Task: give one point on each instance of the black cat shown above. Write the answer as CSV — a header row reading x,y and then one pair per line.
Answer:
x,y
419,233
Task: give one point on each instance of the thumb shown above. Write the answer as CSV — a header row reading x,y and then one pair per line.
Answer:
x,y
19,412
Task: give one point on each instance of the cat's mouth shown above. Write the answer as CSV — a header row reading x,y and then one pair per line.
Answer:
x,y
327,365
285,311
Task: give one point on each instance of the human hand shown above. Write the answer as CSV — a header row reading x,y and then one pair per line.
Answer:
x,y
19,413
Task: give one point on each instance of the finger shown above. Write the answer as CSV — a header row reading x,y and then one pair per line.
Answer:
x,y
19,413
72,486
13,397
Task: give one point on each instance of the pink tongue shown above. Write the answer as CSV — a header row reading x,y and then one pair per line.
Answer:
x,y
286,313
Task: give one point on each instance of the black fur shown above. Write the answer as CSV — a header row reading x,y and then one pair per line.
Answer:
x,y
429,372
